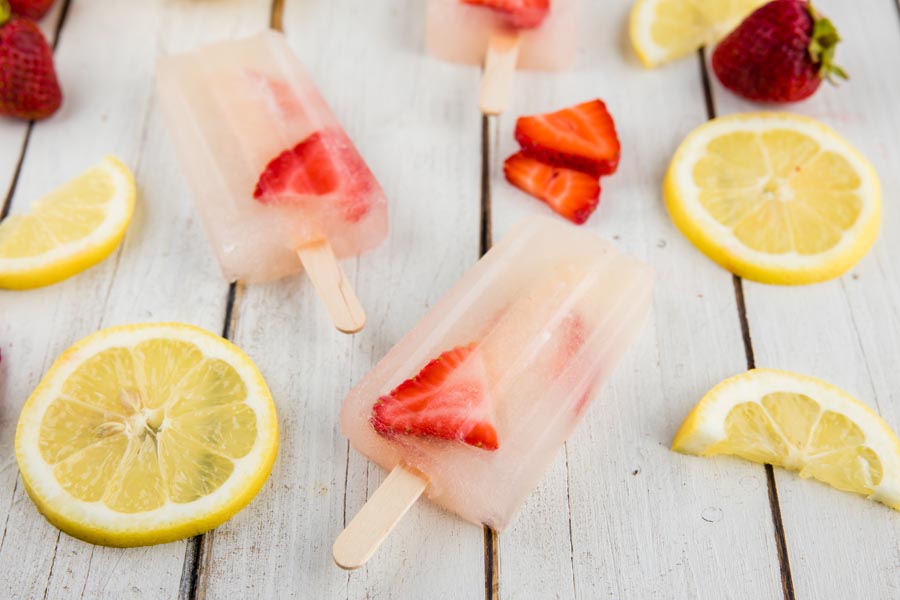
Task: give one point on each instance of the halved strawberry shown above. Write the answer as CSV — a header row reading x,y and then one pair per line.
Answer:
x,y
573,194
582,137
448,400
523,14
310,168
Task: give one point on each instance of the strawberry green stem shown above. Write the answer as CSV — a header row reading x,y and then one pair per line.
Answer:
x,y
823,42
5,11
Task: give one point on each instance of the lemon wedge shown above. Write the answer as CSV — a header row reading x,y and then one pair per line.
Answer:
x,y
774,197
69,230
145,434
663,30
799,423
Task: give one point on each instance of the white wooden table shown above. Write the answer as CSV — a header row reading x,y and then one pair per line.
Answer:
x,y
618,515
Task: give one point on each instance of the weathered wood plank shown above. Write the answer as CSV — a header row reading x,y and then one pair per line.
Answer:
x,y
844,331
619,514
407,115
14,132
164,270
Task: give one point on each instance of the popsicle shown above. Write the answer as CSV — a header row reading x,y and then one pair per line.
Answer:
x,y
501,35
278,185
471,406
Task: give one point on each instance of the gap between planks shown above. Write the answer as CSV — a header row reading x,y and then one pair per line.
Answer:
x,y
196,547
784,563
485,241
8,199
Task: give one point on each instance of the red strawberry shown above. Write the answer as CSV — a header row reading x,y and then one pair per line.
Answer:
x,y
309,169
28,85
573,194
31,9
448,400
523,14
780,53
582,137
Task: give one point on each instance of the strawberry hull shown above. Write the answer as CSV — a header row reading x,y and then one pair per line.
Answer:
x,y
483,392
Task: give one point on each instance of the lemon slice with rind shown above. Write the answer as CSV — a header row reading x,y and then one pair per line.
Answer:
x,y
145,434
69,230
799,423
663,30
774,197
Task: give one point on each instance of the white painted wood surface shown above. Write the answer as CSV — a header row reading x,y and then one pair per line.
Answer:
x,y
618,515
844,331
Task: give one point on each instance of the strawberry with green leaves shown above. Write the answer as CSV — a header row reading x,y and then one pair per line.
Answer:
x,y
28,85
780,53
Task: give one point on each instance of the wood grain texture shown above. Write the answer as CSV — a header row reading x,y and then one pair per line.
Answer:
x,y
619,515
163,271
406,114
14,132
844,331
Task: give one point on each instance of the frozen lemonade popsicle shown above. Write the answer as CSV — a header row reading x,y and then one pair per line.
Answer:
x,y
503,35
472,405
278,184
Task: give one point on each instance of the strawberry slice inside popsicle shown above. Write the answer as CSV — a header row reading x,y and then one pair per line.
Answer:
x,y
317,166
522,14
448,400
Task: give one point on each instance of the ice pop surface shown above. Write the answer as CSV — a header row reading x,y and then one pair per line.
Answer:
x,y
269,166
457,31
484,391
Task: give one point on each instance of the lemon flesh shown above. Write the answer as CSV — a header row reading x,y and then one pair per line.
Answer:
x,y
664,30
145,434
774,197
69,230
799,423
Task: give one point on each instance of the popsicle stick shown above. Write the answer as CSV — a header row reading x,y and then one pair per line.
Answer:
x,y
371,525
332,286
499,69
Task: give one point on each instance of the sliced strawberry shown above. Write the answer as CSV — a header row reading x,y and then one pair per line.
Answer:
x,y
573,194
448,400
310,168
582,137
522,14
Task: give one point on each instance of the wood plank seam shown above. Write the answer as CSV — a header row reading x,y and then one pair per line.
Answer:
x,y
485,241
7,200
52,564
197,549
569,518
784,563
12,499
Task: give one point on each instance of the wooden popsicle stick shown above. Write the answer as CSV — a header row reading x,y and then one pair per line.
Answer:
x,y
499,69
371,525
332,286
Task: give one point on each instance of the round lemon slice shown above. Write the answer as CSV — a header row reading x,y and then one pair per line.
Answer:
x,y
145,434
774,197
799,423
69,230
663,30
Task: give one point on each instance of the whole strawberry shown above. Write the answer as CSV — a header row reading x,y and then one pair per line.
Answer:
x,y
31,9
28,85
780,53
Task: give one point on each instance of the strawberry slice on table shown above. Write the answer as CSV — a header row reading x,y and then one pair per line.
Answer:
x,y
573,194
582,137
448,400
523,14
309,169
